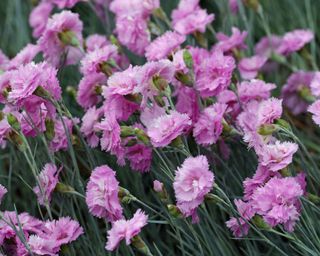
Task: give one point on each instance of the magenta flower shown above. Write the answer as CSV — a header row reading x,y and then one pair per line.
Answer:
x,y
26,79
314,109
292,91
215,73
267,45
62,133
96,41
126,229
88,91
3,191
133,33
187,102
93,61
164,45
192,182
234,42
249,67
140,157
278,202
295,40
47,181
51,43
102,194
164,129
254,90
208,128
26,55
189,17
89,120
39,17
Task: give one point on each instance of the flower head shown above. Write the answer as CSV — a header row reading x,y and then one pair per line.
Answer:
x,y
249,67
39,16
234,42
314,109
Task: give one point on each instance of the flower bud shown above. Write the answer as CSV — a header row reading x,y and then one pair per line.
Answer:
x,y
160,83
187,58
13,122
49,133
63,188
127,131
68,37
260,223
140,245
313,198
174,211
106,68
186,79
142,136
267,129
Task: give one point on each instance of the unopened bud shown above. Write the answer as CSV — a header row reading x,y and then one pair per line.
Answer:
x,y
174,211
283,123
17,140
68,37
127,131
187,58
260,223
186,79
142,136
49,133
267,129
105,68
64,188
160,83
177,142
13,122
140,245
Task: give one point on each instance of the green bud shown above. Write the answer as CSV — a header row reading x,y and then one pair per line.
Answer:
x,y
140,245
187,58
267,129
131,142
283,123
49,133
201,39
160,83
142,136
41,92
174,211
186,79
68,37
313,198
159,100
137,98
260,223
106,68
127,131
98,89
63,188
71,91
123,192
285,172
17,140
13,121
177,142
305,94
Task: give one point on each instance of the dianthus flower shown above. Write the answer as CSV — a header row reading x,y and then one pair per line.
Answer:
x,y
278,202
39,17
314,109
96,41
164,45
140,157
102,194
234,42
142,8
267,45
192,182
65,3
26,55
126,229
165,128
62,131
249,67
47,179
189,17
208,128
89,120
187,102
62,36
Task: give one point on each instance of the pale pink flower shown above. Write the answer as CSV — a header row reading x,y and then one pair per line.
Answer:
x,y
291,91
157,186
295,40
26,55
269,110
249,67
89,120
214,74
254,90
39,17
164,45
315,84
102,194
62,134
142,8
132,32
277,156
189,17
96,41
51,45
140,157
314,109
164,129
3,191
267,45
234,42
65,3
87,95
188,102
126,229
278,202
192,182
208,128
93,61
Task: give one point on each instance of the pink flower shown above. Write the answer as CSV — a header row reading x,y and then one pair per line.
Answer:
x,y
96,41
51,44
189,17
233,6
88,91
5,129
140,157
65,3
277,156
26,55
187,102
164,129
93,61
208,128
102,194
278,202
3,61
47,181
132,31
157,186
254,90
126,229
315,84
214,74
142,8
26,79
62,133
3,191
314,109
89,120
192,182
269,110
292,91
249,67
267,45
234,42
39,17
164,45
295,40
